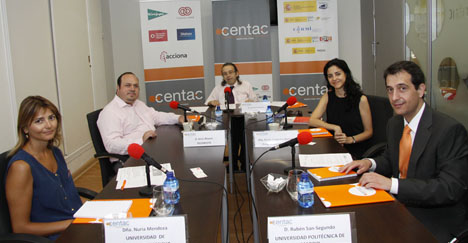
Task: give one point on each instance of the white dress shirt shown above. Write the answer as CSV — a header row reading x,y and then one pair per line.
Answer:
x,y
413,125
122,124
242,93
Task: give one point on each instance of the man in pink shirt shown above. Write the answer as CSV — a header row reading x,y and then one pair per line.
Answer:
x,y
126,119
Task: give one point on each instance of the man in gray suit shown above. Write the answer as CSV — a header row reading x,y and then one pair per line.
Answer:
x,y
433,182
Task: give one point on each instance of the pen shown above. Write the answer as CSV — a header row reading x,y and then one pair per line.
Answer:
x,y
123,185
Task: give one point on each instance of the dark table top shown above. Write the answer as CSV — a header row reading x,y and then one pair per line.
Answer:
x,y
200,202
379,222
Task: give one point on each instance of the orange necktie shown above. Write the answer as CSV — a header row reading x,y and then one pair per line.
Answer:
x,y
405,151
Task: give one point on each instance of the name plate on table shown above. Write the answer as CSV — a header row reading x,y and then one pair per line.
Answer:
x,y
205,138
254,107
266,139
310,228
153,229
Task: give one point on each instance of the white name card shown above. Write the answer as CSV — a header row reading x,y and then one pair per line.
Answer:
x,y
310,228
266,139
205,138
254,107
153,229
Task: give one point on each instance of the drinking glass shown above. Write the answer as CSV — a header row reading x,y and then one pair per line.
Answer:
x,y
161,208
294,176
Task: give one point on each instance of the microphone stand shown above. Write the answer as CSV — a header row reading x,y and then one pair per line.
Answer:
x,y
293,161
185,115
286,126
148,189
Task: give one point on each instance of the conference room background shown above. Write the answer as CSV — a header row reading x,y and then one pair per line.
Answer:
x,y
72,51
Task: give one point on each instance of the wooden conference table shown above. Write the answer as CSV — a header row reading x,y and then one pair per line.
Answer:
x,y
379,222
202,203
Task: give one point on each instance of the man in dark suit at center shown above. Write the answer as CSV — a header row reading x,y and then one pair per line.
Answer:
x,y
425,164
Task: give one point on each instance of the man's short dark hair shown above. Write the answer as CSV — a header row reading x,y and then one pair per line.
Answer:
x,y
119,79
417,75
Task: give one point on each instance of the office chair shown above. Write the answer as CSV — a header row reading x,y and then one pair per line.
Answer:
x,y
6,233
381,111
107,170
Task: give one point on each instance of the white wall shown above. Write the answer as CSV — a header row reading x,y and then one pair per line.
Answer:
x,y
47,55
7,100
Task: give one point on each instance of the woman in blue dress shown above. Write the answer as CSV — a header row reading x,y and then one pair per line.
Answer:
x,y
40,192
348,115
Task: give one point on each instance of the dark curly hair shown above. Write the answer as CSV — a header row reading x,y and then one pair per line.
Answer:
x,y
352,89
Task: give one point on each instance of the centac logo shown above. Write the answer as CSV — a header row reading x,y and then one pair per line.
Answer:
x,y
181,96
305,91
248,30
185,11
152,14
165,57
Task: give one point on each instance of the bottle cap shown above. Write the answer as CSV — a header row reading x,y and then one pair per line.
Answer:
x,y
304,176
170,174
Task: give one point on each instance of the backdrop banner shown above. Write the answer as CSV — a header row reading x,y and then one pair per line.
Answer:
x,y
242,36
308,39
172,53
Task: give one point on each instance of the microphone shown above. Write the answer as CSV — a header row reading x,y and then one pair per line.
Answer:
x,y
136,151
227,90
302,138
175,105
291,101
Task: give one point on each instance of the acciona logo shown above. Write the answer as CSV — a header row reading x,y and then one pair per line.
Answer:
x,y
164,56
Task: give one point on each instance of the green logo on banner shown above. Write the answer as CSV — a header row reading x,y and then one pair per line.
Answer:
x,y
152,14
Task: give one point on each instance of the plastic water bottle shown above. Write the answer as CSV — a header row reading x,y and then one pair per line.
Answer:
x,y
171,189
265,98
219,114
269,114
305,192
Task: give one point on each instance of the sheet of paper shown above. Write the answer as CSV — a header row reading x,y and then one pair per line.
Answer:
x,y
324,160
200,109
103,209
136,176
278,103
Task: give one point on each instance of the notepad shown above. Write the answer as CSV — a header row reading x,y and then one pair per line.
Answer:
x,y
102,209
329,173
140,207
324,160
317,132
350,194
298,119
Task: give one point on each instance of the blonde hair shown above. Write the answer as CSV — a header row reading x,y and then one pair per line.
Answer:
x,y
29,107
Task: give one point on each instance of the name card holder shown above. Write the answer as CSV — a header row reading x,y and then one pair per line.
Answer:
x,y
266,139
152,229
339,227
205,138
254,107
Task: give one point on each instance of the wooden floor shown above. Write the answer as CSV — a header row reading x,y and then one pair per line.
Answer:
x,y
238,231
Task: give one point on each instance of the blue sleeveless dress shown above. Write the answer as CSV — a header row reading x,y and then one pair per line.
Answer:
x,y
55,197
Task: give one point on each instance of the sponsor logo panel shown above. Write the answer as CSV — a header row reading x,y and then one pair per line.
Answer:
x,y
186,34
300,6
157,35
152,14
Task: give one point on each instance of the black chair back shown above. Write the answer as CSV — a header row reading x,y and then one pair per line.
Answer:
x,y
107,170
381,111
5,224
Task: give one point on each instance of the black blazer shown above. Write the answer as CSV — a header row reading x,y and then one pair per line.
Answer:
x,y
437,178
